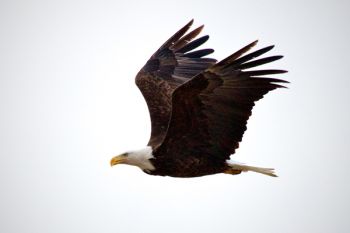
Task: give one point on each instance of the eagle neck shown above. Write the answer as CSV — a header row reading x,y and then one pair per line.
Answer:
x,y
141,158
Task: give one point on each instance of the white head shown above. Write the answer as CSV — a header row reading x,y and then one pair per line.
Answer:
x,y
140,158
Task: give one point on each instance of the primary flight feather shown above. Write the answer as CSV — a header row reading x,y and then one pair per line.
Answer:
x,y
199,107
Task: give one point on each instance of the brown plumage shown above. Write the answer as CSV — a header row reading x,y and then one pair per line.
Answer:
x,y
199,108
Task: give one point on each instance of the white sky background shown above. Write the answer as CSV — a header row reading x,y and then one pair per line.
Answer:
x,y
69,103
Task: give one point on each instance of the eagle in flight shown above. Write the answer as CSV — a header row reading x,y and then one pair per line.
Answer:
x,y
199,107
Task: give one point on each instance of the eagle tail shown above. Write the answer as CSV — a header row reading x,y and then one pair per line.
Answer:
x,y
236,168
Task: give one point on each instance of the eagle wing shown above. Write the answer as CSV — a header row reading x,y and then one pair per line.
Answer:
x,y
210,111
171,65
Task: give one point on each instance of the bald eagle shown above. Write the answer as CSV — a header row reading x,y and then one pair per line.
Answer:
x,y
199,107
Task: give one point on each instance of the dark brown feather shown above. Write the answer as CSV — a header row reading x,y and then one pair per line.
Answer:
x,y
193,45
187,38
251,56
258,62
237,54
199,53
176,36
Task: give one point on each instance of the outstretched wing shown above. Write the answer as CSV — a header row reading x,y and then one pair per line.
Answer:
x,y
171,65
210,111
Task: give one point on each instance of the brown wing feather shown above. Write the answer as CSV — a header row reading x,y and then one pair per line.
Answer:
x,y
170,66
210,111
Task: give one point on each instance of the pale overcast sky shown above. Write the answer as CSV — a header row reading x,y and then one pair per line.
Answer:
x,y
69,103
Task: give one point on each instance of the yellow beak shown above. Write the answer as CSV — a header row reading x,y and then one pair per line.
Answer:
x,y
117,160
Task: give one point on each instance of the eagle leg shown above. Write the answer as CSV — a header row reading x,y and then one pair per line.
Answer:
x,y
232,171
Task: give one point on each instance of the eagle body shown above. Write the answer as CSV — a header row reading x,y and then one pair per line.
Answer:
x,y
187,165
199,107
182,165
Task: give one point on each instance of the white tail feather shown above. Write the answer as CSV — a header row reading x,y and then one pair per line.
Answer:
x,y
245,168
